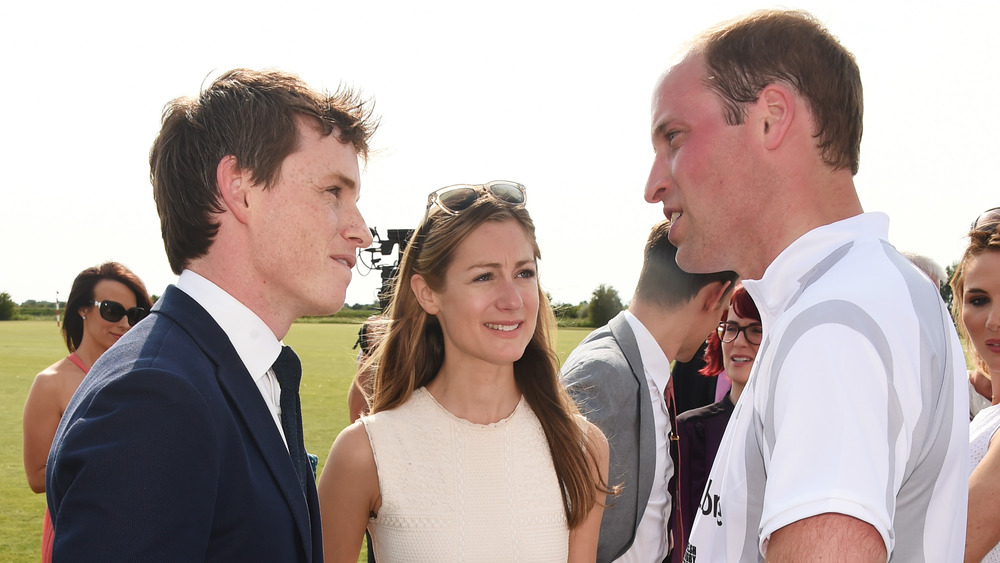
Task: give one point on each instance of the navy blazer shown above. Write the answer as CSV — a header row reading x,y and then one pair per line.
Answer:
x,y
168,452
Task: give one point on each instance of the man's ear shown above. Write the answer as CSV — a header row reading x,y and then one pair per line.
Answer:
x,y
233,186
425,295
715,296
777,103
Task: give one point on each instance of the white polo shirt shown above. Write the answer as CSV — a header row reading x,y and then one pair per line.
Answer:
x,y
856,404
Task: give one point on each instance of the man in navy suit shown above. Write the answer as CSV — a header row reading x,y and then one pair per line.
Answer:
x,y
176,447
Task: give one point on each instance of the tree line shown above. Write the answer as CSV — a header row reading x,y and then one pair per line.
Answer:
x,y
604,304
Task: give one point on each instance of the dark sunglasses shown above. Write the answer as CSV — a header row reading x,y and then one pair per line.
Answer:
x,y
455,199
989,218
113,311
730,331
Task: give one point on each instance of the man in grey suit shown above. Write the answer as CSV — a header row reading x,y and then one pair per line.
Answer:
x,y
619,375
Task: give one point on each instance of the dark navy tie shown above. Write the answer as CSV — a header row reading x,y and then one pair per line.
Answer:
x,y
288,370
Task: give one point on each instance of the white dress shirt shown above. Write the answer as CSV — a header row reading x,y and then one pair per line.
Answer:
x,y
255,344
651,535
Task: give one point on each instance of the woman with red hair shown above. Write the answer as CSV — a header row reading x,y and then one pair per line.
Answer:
x,y
730,353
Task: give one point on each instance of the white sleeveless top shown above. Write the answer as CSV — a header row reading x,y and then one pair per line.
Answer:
x,y
981,430
457,491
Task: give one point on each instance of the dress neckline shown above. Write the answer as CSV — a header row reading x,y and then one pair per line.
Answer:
x,y
422,391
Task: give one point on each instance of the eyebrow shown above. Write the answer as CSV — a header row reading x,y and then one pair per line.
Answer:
x,y
660,128
497,264
341,179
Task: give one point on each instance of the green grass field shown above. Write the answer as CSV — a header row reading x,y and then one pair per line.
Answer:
x,y
27,347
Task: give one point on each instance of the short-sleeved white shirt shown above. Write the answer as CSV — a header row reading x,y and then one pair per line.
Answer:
x,y
856,405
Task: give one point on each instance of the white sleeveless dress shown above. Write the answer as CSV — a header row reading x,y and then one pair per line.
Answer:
x,y
981,431
457,491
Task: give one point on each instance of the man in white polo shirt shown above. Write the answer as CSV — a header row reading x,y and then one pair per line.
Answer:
x,y
850,440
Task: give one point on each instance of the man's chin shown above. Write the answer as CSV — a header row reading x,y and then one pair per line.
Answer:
x,y
331,306
691,261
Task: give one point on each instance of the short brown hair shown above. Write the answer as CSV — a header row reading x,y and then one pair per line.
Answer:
x,y
248,114
662,281
742,57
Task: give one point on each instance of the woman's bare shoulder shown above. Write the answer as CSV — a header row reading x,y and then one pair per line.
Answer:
x,y
352,447
61,373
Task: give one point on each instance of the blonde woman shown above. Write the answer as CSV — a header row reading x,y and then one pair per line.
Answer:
x,y
976,287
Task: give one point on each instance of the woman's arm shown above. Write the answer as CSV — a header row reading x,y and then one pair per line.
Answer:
x,y
348,494
983,528
583,538
42,412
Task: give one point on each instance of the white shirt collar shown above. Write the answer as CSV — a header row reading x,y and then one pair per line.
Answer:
x,y
254,342
654,362
784,276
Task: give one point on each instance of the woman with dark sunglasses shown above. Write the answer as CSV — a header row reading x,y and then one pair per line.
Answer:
x,y
730,353
103,304
472,450
976,307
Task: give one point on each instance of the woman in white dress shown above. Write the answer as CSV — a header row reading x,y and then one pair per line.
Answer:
x,y
976,289
472,451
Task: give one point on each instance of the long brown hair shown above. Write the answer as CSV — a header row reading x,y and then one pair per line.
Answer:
x,y
82,295
981,240
411,352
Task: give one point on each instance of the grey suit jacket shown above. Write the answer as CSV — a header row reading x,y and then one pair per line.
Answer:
x,y
604,375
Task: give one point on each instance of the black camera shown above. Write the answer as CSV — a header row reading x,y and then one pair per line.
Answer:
x,y
379,251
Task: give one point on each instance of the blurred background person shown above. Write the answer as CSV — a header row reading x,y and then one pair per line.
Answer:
x,y
361,386
928,266
103,304
473,450
692,389
976,307
730,353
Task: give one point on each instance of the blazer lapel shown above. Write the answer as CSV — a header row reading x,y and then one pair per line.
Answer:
x,y
623,334
238,385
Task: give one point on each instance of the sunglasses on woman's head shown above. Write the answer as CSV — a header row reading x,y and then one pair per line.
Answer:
x,y
455,199
113,311
989,218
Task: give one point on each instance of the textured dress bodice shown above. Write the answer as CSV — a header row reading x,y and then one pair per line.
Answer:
x,y
456,491
980,433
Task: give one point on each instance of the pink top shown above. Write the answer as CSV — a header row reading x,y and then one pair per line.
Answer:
x,y
78,362
722,386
